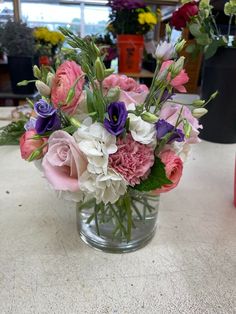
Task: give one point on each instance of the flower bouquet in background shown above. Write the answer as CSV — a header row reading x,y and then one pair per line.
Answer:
x,y
107,47
47,43
111,145
129,21
199,19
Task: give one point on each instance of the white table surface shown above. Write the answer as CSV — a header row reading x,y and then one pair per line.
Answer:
x,y
188,267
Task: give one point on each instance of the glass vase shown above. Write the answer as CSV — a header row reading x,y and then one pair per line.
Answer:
x,y
125,226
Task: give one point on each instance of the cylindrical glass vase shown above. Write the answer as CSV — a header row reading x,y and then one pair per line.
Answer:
x,y
116,228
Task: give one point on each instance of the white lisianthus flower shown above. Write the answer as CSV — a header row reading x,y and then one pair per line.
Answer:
x,y
165,51
106,188
142,131
96,143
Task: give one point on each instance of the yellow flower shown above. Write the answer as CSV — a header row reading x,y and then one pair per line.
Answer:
x,y
147,18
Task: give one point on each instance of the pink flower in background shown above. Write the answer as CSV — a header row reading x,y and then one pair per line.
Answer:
x,y
65,77
179,80
64,163
132,160
173,167
125,83
28,144
170,113
131,91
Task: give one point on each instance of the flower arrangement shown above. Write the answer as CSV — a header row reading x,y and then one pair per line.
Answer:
x,y
104,142
131,17
199,19
47,41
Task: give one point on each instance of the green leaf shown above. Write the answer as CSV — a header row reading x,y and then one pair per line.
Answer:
x,y
203,39
10,134
90,100
195,29
156,179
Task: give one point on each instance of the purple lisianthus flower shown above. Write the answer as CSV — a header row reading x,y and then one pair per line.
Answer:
x,y
43,109
118,114
47,124
30,124
163,128
126,4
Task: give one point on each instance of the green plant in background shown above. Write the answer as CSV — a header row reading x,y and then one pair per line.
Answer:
x,y
199,19
17,39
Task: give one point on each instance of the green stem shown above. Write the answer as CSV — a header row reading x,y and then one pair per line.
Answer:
x,y
121,226
229,27
96,211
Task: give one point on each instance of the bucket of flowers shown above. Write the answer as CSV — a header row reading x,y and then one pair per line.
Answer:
x,y
110,144
129,21
46,44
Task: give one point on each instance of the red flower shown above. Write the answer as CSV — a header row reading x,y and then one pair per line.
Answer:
x,y
183,15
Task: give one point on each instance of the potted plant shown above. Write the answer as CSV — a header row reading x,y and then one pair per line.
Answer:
x,y
47,44
219,67
129,21
18,42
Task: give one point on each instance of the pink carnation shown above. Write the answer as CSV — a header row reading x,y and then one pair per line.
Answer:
x,y
132,160
173,167
65,78
179,80
131,91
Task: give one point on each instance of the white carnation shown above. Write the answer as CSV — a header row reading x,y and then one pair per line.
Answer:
x,y
96,143
106,188
142,131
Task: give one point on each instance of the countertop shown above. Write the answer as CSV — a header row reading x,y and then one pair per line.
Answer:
x,y
188,267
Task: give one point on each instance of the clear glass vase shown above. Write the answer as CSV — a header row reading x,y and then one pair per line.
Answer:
x,y
116,228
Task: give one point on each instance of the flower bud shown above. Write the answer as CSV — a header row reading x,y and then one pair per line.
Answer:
x,y
180,45
37,72
43,89
149,117
199,112
99,68
113,94
214,95
109,72
177,66
165,51
75,122
198,103
50,78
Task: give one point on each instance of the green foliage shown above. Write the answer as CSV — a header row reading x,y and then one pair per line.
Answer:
x,y
17,39
156,179
10,134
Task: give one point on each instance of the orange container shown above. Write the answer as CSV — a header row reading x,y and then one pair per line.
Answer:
x,y
130,51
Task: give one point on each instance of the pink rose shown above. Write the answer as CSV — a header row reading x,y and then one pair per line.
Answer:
x,y
28,144
173,167
131,91
65,78
170,113
132,160
179,80
64,163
